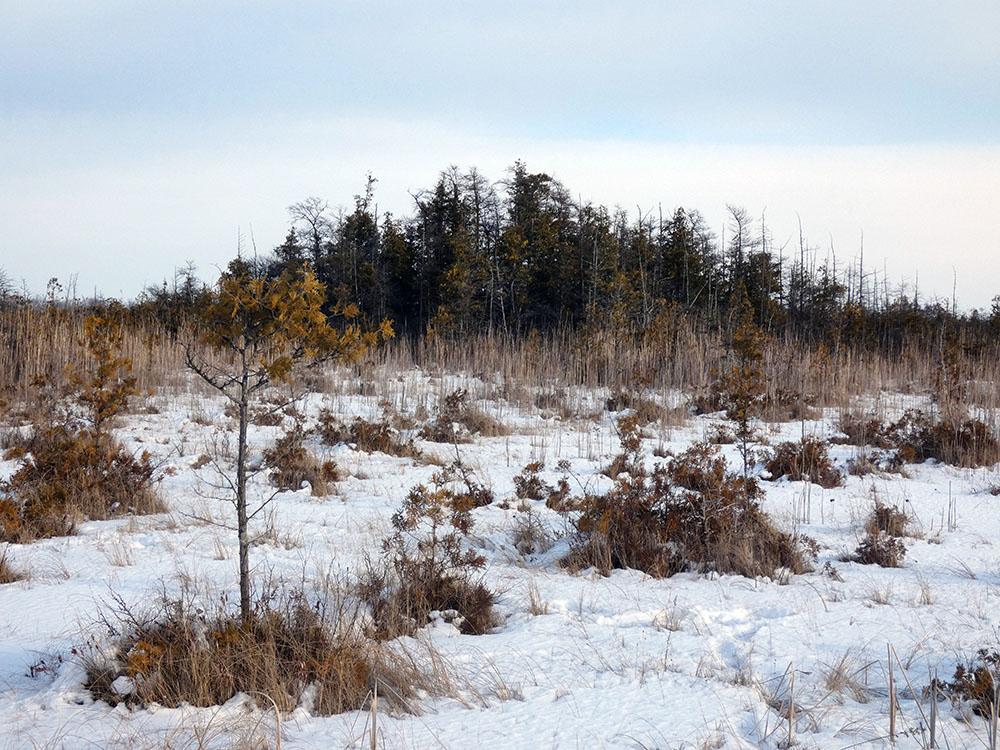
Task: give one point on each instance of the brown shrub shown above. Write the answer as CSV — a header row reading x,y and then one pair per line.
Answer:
x,y
427,566
365,436
455,409
880,549
554,401
69,475
529,486
807,459
783,405
886,520
178,657
8,573
645,409
692,511
975,682
292,465
916,437
881,545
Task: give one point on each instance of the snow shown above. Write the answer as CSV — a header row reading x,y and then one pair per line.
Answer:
x,y
579,660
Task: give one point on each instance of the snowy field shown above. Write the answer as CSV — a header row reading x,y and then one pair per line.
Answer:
x,y
578,661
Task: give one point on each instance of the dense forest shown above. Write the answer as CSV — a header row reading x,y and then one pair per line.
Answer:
x,y
521,255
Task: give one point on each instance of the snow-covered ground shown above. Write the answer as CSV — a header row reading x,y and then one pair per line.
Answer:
x,y
578,661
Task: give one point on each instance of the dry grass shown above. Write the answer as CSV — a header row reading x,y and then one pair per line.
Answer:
x,y
458,420
364,435
918,436
848,676
176,656
8,572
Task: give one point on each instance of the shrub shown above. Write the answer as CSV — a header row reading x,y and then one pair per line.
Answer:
x,y
975,682
72,469
366,436
427,566
8,573
455,410
881,544
691,511
179,657
630,460
881,549
529,486
916,436
886,520
645,409
781,405
292,465
807,459
69,475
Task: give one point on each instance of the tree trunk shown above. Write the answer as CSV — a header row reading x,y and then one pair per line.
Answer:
x,y
241,502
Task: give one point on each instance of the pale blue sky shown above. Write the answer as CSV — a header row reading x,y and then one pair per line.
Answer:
x,y
136,135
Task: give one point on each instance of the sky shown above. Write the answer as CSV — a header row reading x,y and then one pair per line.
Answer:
x,y
135,137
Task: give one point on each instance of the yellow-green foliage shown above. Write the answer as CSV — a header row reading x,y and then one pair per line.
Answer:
x,y
267,325
70,472
103,393
273,323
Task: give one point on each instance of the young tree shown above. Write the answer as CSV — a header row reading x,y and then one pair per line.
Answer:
x,y
266,326
744,385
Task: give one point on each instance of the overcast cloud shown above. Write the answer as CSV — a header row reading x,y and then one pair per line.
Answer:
x,y
135,136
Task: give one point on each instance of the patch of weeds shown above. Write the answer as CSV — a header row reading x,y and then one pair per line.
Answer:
x,y
881,544
8,573
917,436
529,535
69,475
554,401
783,405
267,417
630,460
72,468
645,409
975,681
807,459
529,486
292,464
720,434
880,549
885,519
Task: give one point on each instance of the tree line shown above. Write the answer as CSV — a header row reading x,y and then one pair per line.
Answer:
x,y
521,255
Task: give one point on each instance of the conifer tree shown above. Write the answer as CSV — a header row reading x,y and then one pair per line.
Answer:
x,y
266,326
743,385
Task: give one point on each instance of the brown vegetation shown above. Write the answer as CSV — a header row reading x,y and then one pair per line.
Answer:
x,y
917,436
692,511
293,464
457,420
807,459
427,565
364,435
177,657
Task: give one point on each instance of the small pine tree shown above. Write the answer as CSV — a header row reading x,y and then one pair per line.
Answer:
x,y
105,392
268,325
743,386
